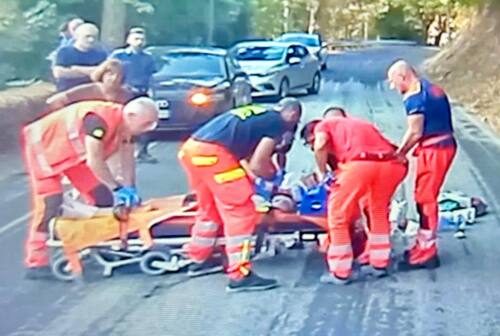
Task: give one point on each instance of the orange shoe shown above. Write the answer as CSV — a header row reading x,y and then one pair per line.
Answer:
x,y
418,258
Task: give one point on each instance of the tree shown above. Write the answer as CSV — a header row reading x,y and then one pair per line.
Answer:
x,y
114,16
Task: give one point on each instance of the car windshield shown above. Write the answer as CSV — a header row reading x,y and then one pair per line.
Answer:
x,y
310,41
259,53
192,65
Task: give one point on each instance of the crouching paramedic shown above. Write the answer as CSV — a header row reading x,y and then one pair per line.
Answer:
x,y
430,129
212,159
368,168
75,142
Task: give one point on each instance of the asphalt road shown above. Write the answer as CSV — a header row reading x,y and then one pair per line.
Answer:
x,y
460,298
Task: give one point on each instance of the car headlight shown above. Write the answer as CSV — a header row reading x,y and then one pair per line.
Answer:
x,y
199,99
270,73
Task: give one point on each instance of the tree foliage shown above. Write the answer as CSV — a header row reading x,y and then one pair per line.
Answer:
x,y
29,28
350,19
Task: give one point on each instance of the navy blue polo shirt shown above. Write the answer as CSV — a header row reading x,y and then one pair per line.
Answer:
x,y
69,55
138,67
241,129
431,101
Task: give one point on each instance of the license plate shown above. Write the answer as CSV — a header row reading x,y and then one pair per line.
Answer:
x,y
164,114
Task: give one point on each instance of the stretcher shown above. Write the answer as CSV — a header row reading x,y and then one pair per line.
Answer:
x,y
153,237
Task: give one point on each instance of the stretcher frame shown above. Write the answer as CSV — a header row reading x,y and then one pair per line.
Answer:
x,y
276,232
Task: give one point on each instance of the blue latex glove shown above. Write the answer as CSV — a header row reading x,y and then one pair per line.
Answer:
x,y
328,180
127,196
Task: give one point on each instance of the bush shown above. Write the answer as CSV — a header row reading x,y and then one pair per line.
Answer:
x,y
394,24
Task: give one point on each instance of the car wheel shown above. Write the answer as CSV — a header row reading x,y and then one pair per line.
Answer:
x,y
315,85
284,88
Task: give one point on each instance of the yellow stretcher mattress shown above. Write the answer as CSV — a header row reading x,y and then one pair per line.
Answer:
x,y
77,234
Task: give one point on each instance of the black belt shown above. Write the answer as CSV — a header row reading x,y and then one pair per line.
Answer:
x,y
366,156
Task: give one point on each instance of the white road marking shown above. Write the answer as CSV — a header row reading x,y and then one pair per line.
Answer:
x,y
14,223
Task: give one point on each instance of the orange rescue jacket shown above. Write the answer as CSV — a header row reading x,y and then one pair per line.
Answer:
x,y
56,142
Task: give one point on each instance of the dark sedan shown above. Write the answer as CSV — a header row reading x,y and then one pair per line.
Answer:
x,y
193,85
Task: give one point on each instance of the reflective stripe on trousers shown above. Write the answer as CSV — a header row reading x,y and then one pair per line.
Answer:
x,y
204,234
380,249
340,259
239,251
426,239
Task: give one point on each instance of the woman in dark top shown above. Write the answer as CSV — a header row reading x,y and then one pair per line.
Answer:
x,y
107,85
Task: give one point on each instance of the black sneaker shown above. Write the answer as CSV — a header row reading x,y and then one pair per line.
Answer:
x,y
375,272
330,279
252,282
209,266
38,273
430,264
147,158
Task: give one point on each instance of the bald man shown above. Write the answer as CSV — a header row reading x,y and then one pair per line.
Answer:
x,y
68,31
75,63
75,142
430,132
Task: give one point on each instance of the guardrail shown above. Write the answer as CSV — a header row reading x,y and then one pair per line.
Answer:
x,y
359,44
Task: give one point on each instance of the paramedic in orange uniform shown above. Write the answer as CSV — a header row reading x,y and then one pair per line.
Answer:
x,y
213,159
75,142
361,249
430,129
367,167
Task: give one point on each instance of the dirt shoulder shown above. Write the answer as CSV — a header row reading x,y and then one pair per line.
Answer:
x,y
469,69
18,106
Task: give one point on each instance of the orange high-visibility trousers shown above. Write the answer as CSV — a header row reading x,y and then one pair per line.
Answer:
x,y
376,182
433,164
224,194
46,199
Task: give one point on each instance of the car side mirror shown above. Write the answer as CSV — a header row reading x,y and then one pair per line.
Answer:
x,y
240,74
294,60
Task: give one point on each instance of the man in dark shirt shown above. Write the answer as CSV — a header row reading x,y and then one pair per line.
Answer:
x,y
138,66
214,159
430,132
75,63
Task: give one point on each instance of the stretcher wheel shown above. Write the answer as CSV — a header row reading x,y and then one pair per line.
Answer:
x,y
155,262
61,269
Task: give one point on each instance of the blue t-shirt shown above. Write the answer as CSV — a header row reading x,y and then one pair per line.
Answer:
x,y
431,101
241,129
138,67
69,56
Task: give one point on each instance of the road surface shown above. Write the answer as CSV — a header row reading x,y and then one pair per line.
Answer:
x,y
460,298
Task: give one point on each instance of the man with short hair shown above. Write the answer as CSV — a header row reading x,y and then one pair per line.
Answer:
x,y
215,159
75,142
430,132
75,63
334,111
67,33
366,168
66,36
139,67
